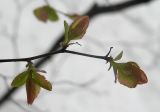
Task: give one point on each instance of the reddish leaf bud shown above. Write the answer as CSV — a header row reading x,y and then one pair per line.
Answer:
x,y
32,90
78,28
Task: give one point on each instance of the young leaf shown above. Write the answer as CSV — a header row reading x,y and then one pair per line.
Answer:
x,y
52,16
133,64
32,90
126,79
45,13
141,76
41,81
119,56
20,79
41,14
130,74
78,28
66,27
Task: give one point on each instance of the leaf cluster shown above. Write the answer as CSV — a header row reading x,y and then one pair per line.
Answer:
x,y
128,74
33,80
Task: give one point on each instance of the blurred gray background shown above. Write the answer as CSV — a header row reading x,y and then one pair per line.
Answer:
x,y
82,84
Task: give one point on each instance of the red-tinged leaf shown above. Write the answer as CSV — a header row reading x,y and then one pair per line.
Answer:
x,y
52,16
126,79
20,79
141,76
78,28
133,64
45,13
130,74
41,81
41,14
32,90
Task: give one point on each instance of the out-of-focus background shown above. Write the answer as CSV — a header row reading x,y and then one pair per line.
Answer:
x,y
82,84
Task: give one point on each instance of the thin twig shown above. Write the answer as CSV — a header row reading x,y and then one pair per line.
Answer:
x,y
109,51
84,54
28,59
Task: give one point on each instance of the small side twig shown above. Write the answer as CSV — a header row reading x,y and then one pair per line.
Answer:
x,y
107,57
109,51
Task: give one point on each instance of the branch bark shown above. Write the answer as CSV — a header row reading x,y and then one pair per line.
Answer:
x,y
29,59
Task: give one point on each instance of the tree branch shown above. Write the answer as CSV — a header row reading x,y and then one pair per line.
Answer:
x,y
53,53
116,7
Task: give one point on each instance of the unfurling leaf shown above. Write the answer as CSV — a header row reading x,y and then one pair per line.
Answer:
x,y
45,13
78,28
20,79
66,27
41,81
34,81
130,74
142,78
32,90
119,56
127,79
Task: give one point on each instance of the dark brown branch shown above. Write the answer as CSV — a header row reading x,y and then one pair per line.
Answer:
x,y
29,59
115,7
87,55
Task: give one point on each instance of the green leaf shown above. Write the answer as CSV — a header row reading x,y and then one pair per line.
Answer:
x,y
32,90
130,74
20,79
140,75
45,13
119,56
127,79
41,14
41,81
66,27
52,14
76,30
